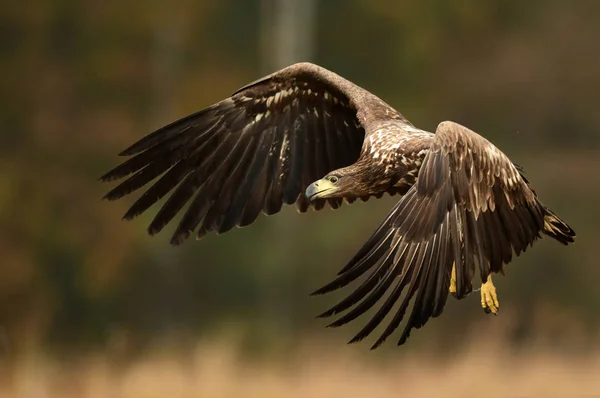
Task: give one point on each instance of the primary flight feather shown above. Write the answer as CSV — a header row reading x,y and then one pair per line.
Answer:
x,y
305,135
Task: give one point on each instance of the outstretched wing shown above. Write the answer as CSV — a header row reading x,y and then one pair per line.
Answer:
x,y
249,153
468,206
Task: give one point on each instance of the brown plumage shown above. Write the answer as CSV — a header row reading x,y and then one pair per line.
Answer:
x,y
463,203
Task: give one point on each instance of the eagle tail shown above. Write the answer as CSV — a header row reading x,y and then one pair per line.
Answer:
x,y
557,228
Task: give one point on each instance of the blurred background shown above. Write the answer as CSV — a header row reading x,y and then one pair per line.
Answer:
x,y
91,306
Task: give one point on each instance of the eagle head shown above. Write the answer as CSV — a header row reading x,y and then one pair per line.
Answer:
x,y
348,182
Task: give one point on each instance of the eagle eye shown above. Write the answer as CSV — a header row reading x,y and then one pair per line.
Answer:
x,y
333,179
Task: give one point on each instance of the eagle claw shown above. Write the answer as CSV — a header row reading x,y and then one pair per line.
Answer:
x,y
489,298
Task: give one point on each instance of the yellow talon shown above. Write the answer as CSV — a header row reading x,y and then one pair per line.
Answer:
x,y
489,298
453,281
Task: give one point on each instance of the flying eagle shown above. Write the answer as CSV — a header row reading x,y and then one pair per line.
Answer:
x,y
305,135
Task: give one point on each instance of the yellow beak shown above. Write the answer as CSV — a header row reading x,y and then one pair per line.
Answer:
x,y
320,189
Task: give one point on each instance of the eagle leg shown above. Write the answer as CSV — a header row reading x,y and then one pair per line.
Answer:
x,y
489,298
453,281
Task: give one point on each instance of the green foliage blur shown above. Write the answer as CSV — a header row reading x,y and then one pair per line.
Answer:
x,y
83,80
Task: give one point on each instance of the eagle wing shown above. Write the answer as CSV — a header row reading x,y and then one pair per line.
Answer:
x,y
469,206
249,153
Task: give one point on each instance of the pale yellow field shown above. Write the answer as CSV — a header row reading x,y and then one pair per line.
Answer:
x,y
316,370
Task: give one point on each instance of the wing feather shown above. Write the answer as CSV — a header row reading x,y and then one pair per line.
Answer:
x,y
299,160
248,202
233,178
248,153
391,273
376,277
198,178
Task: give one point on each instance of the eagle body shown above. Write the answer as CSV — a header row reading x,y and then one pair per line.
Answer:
x,y
307,136
396,150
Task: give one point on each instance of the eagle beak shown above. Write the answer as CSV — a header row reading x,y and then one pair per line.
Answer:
x,y
320,189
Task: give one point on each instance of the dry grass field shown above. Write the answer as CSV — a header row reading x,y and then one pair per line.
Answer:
x,y
484,369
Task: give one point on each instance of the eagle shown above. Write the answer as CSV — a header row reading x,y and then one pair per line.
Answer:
x,y
306,135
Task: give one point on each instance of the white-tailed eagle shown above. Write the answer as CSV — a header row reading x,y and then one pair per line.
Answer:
x,y
305,135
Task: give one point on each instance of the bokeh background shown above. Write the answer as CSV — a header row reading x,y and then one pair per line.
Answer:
x,y
91,306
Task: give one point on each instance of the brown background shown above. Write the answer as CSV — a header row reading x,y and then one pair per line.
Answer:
x,y
92,306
